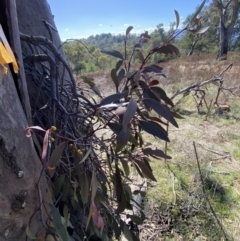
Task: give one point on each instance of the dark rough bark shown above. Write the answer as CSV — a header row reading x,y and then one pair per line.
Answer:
x,y
19,196
225,26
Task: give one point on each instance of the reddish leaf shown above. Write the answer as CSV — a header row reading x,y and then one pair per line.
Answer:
x,y
120,110
45,150
174,49
28,131
164,50
154,82
96,216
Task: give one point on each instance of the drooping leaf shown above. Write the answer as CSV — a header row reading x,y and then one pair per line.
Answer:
x,y
29,130
112,98
61,230
177,18
96,217
125,167
140,55
58,185
145,170
197,12
153,68
121,198
86,155
174,49
176,115
84,184
163,95
153,82
114,77
147,93
128,30
138,45
55,157
45,150
155,153
94,186
113,53
29,233
153,129
135,219
118,65
199,30
122,138
155,119
164,50
89,81
161,110
130,112
121,75
127,233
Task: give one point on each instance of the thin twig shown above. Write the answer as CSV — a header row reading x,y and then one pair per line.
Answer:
x,y
207,199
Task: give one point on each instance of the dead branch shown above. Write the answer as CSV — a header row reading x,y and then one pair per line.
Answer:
x,y
214,79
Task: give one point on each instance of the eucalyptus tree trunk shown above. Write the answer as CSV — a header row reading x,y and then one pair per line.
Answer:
x,y
22,193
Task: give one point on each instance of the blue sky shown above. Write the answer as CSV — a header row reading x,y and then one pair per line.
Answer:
x,y
79,19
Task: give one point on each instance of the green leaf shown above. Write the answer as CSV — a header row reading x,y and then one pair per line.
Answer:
x,y
125,167
84,184
86,155
29,233
128,30
153,129
127,233
113,53
94,186
155,153
129,113
58,185
145,170
61,230
161,110
121,198
55,157
177,18
140,55
112,98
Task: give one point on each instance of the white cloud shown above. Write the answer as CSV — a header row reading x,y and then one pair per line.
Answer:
x,y
100,25
66,29
125,24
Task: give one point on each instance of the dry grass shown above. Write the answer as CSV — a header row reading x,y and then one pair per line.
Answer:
x,y
218,147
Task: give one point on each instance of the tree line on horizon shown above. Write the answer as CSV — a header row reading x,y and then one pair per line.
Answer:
x,y
219,24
